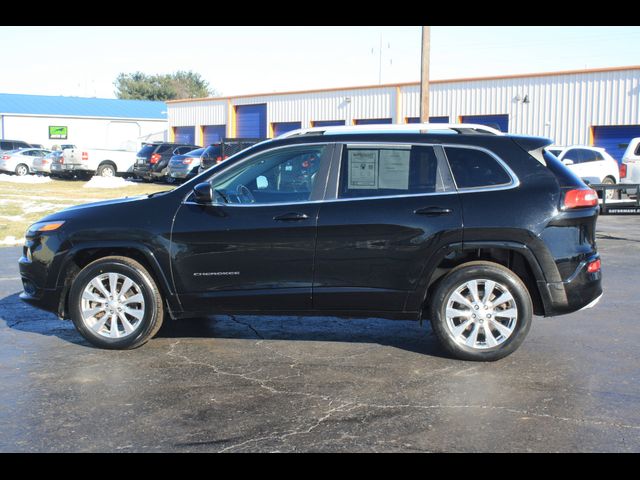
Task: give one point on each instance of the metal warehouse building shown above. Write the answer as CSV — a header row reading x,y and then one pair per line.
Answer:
x,y
90,122
597,107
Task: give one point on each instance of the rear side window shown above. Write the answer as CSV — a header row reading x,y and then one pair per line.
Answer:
x,y
380,171
163,149
475,169
6,145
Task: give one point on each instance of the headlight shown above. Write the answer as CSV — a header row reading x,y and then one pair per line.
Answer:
x,y
45,227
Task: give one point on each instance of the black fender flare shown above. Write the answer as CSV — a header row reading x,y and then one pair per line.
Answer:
x,y
417,298
164,283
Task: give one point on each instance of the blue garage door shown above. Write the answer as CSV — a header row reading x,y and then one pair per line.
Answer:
x,y
615,139
431,119
501,122
328,123
284,127
185,135
372,121
213,133
251,121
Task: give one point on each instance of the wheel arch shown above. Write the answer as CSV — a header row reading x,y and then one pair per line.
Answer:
x,y
513,255
81,255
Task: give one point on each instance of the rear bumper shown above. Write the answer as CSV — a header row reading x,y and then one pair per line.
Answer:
x,y
581,290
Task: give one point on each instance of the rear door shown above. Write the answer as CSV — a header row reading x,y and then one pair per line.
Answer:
x,y
389,207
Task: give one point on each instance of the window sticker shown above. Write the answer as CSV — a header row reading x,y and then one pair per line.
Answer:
x,y
363,169
394,169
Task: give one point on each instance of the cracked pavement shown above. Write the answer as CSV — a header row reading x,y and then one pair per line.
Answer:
x,y
292,384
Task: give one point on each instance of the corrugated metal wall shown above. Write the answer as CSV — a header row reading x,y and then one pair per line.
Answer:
x,y
561,106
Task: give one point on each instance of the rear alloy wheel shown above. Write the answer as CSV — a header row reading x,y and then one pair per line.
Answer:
x,y
106,170
481,311
115,304
22,170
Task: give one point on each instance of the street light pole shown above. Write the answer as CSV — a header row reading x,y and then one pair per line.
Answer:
x,y
424,77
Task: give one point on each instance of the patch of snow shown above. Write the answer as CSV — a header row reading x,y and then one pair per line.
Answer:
x,y
11,240
108,182
13,218
25,179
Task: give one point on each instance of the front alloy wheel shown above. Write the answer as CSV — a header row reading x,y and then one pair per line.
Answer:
x,y
112,305
115,303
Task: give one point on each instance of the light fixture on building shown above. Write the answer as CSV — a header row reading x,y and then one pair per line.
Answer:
x,y
347,100
525,99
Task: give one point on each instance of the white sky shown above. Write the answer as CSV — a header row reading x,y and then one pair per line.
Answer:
x,y
84,61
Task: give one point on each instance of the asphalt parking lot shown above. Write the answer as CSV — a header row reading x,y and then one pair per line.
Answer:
x,y
287,384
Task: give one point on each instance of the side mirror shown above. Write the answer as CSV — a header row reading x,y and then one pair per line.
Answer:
x,y
203,193
566,161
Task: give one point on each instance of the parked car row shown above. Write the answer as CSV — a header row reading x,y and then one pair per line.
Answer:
x,y
172,162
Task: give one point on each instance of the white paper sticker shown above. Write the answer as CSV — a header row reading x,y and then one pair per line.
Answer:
x,y
363,169
393,169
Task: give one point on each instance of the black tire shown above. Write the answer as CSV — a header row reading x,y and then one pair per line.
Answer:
x,y
22,170
480,270
105,168
153,315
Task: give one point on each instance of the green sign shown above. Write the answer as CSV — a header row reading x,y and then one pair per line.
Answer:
x,y
58,133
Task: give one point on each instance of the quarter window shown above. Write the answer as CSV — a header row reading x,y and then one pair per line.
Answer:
x,y
475,169
384,171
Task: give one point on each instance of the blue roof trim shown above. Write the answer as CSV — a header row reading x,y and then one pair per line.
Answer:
x,y
81,107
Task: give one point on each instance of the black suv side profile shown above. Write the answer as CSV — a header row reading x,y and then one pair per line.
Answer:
x,y
153,159
476,232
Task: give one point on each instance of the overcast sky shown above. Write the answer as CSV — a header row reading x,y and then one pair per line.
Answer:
x,y
84,61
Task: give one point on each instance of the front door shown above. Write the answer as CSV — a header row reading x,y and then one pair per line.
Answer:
x,y
393,207
253,248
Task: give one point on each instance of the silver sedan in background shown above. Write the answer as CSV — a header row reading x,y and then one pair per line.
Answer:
x,y
20,161
42,165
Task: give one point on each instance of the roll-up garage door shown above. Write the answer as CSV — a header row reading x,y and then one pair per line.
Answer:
x,y
213,133
284,127
501,122
251,121
328,123
615,139
185,134
431,119
372,121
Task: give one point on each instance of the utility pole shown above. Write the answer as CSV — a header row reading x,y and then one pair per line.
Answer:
x,y
424,77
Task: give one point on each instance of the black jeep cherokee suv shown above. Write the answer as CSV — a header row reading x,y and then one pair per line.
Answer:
x,y
475,232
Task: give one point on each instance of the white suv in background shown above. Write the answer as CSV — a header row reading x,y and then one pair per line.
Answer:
x,y
591,164
630,168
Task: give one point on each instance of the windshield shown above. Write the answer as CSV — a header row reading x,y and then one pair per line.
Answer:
x,y
146,150
195,153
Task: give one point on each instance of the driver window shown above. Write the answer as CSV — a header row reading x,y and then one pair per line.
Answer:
x,y
281,176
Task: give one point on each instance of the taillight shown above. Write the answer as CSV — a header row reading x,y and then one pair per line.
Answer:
x,y
623,170
85,156
594,266
6,157
187,161
584,197
218,159
155,157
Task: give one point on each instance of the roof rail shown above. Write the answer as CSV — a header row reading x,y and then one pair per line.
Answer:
x,y
459,128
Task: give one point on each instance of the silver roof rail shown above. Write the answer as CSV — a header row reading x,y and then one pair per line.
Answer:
x,y
459,128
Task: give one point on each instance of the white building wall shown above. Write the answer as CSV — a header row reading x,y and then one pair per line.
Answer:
x,y
86,132
563,107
